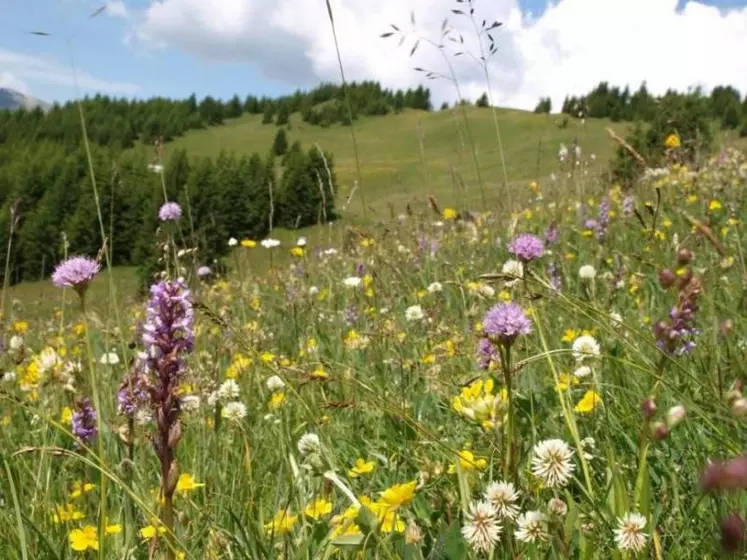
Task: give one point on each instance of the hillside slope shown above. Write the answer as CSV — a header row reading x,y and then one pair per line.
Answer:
x,y
12,99
394,168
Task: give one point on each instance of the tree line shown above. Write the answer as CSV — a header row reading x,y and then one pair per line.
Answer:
x,y
46,198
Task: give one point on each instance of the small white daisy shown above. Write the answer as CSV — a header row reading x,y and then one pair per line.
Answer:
x,y
629,534
552,462
503,496
234,411
414,313
531,527
515,269
308,443
270,243
585,346
274,383
481,529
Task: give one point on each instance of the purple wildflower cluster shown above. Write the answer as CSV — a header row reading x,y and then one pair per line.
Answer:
x,y
75,273
83,424
551,233
426,244
133,392
628,206
676,335
170,212
486,354
527,247
553,272
506,321
604,220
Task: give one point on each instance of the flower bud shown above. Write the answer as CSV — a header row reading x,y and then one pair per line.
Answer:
x,y
684,256
733,533
739,407
667,278
558,507
675,415
648,408
659,431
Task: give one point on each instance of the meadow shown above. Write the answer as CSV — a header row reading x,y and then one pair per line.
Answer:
x,y
562,381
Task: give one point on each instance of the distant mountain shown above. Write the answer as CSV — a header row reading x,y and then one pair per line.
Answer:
x,y
12,99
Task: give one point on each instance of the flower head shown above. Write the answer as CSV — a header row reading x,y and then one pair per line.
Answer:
x,y
503,496
531,527
505,321
170,212
75,273
204,271
587,272
527,247
414,313
361,467
585,346
84,539
233,411
629,534
83,424
398,495
308,443
551,462
481,529
514,269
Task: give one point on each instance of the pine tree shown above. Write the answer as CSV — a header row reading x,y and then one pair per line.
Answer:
x,y
482,101
280,144
283,115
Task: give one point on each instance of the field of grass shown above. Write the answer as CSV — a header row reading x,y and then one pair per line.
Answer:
x,y
401,392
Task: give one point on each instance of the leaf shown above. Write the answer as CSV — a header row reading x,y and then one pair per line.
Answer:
x,y
387,34
444,24
40,33
496,24
458,12
460,53
401,41
412,18
415,47
348,540
454,547
97,12
394,27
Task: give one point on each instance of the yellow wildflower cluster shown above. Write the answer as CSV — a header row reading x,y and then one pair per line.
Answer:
x,y
478,403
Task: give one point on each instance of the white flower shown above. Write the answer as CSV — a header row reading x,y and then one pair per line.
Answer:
x,y
190,403
675,415
629,534
557,506
233,242
587,272
142,417
16,342
48,359
309,443
229,390
515,269
212,399
584,347
329,252
401,249
9,376
110,358
551,462
313,290
352,281
270,243
414,313
616,318
435,288
581,372
531,527
503,496
481,529
301,242
155,167
234,411
274,383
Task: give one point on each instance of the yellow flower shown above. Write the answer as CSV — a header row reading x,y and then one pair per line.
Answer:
x,y
267,357
319,373
84,539
113,529
569,335
297,252
318,509
79,329
398,495
390,522
187,483
672,141
570,256
692,199
80,488
468,462
449,214
566,380
67,415
589,402
277,400
282,523
534,187
149,531
67,513
714,205
248,243
361,466
504,295
20,327
367,242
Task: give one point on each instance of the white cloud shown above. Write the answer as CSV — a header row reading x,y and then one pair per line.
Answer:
x,y
117,8
572,46
10,81
49,71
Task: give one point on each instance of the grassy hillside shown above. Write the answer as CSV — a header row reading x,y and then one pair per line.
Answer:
x,y
396,171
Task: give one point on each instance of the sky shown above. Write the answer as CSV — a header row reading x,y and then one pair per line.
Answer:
x,y
173,48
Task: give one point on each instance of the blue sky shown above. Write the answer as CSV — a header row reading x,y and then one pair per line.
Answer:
x,y
110,54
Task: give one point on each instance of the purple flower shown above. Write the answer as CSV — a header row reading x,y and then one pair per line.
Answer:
x,y
170,212
505,321
676,336
83,424
133,392
75,273
551,234
204,271
527,247
553,271
486,353
604,220
627,206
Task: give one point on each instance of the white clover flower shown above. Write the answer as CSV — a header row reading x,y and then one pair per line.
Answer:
x,y
352,281
16,342
675,415
155,167
9,376
228,391
503,496
48,359
308,443
329,252
585,346
435,287
486,290
558,507
233,242
531,527
190,403
234,411
552,463
587,272
481,529
313,290
414,313
629,534
212,399
301,242
270,243
581,372
109,358
274,383
616,318
514,269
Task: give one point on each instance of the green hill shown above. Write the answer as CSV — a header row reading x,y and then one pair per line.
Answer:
x,y
394,168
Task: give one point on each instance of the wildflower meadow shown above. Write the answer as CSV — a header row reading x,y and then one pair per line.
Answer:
x,y
540,369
